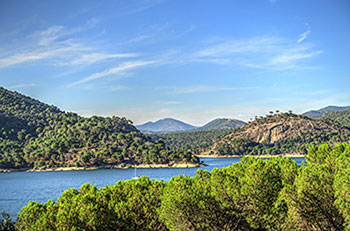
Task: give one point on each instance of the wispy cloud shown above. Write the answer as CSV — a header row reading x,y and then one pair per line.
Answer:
x,y
23,85
303,36
168,102
38,54
293,57
96,57
58,45
122,68
201,89
273,53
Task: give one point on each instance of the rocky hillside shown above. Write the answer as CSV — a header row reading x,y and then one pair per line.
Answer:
x,y
37,136
282,133
222,123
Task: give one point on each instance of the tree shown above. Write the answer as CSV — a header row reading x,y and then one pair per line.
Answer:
x,y
6,224
312,201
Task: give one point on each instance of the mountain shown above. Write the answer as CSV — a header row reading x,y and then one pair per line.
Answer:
x,y
222,124
35,135
342,118
165,125
315,113
278,134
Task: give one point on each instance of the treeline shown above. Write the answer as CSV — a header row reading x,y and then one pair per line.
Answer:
x,y
253,194
36,135
196,141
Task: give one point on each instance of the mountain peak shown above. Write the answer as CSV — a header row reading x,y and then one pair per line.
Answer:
x,y
165,125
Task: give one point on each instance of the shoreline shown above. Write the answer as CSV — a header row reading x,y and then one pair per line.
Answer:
x,y
59,169
179,165
291,155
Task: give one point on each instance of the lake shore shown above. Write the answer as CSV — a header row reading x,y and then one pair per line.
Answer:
x,y
58,169
290,155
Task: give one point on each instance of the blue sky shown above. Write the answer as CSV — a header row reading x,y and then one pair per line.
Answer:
x,y
190,60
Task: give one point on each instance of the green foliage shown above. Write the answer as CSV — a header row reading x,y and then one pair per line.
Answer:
x,y
342,118
127,205
219,124
316,196
253,194
39,136
196,141
6,224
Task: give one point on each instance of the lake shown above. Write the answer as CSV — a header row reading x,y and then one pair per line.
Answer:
x,y
18,188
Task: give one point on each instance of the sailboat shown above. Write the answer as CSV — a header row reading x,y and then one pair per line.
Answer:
x,y
135,177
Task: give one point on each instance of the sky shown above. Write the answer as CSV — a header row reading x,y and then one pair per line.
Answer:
x,y
190,60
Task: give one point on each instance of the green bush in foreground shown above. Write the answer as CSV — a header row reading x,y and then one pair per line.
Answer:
x,y
253,194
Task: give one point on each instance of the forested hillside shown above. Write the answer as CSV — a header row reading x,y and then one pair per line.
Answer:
x,y
38,136
320,112
196,141
279,134
253,194
222,123
342,118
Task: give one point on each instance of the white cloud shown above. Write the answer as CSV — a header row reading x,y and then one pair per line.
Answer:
x,y
24,85
126,66
168,102
272,53
38,54
303,36
96,57
57,46
200,89
293,57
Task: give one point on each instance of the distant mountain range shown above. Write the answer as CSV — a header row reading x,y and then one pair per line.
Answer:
x,y
165,125
173,125
316,113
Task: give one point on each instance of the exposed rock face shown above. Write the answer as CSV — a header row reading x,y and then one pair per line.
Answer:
x,y
277,128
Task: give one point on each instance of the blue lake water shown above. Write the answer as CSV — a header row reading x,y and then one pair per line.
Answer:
x,y
18,188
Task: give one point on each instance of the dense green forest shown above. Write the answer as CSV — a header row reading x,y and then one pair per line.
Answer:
x,y
222,123
280,134
253,194
342,118
38,136
196,141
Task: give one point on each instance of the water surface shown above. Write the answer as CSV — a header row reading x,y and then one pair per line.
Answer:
x,y
18,188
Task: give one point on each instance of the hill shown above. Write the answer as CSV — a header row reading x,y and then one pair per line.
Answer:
x,y
165,125
35,135
197,141
316,113
342,118
222,123
277,134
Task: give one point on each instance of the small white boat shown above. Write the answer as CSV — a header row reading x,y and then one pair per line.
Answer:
x,y
135,177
